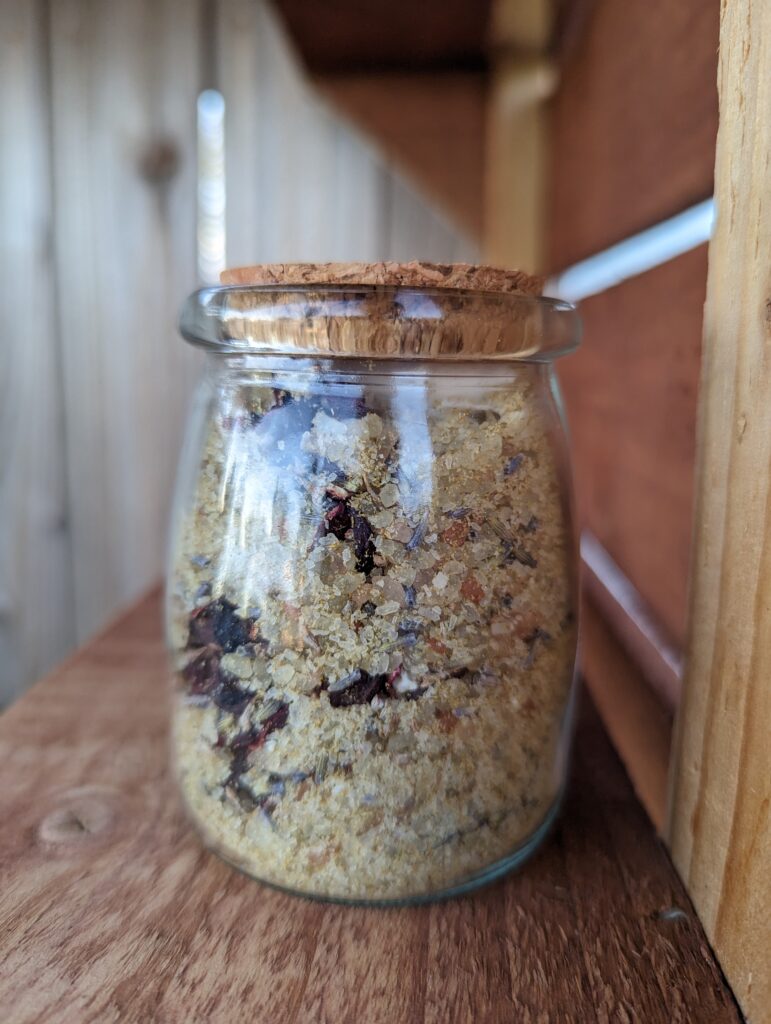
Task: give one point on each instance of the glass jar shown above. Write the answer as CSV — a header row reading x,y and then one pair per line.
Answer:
x,y
372,589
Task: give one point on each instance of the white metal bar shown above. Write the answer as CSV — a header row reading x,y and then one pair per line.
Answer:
x,y
635,255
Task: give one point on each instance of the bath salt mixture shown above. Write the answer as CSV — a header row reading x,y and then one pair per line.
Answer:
x,y
373,628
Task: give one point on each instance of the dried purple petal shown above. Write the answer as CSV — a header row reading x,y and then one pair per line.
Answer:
x,y
338,520
277,720
229,696
531,525
532,640
410,597
203,591
513,464
417,538
369,608
514,552
202,674
364,545
361,691
344,407
459,513
200,561
342,684
217,623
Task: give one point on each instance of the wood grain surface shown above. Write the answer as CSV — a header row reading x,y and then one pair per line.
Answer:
x,y
720,820
110,910
35,557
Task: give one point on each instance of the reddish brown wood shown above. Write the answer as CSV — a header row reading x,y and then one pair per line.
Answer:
x,y
348,35
634,122
630,394
110,910
432,125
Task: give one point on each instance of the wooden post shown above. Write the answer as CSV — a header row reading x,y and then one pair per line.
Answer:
x,y
720,808
515,165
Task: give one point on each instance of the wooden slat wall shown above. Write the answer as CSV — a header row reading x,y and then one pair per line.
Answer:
x,y
125,81
632,142
98,158
36,618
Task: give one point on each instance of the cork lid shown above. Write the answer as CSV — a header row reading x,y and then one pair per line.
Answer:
x,y
403,311
416,274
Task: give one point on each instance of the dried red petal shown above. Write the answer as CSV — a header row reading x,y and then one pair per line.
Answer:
x,y
471,589
202,673
361,692
217,623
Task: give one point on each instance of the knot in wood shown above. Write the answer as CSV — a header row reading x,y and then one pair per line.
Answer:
x,y
159,161
80,815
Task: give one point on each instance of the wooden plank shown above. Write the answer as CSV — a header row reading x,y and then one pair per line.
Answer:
x,y
633,623
521,79
720,819
431,35
430,125
633,124
333,195
125,82
638,723
630,394
111,910
36,618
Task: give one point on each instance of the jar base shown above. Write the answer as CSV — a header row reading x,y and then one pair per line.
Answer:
x,y
490,874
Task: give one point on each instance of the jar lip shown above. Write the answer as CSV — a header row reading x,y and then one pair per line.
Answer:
x,y
379,321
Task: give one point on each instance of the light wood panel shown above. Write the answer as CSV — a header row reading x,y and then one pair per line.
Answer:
x,y
334,195
521,79
720,819
37,620
126,78
111,910
630,394
102,118
633,123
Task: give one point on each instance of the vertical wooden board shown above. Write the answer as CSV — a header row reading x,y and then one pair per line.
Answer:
x,y
302,183
266,99
36,616
317,132
515,176
720,814
409,221
360,198
125,82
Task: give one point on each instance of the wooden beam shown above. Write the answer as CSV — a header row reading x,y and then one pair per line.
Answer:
x,y
638,722
521,79
720,812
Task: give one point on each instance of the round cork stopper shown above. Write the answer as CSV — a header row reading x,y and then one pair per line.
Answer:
x,y
416,274
401,311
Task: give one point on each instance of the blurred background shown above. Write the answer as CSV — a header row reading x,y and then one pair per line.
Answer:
x,y
145,144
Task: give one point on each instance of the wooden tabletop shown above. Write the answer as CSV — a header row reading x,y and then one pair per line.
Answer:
x,y
110,910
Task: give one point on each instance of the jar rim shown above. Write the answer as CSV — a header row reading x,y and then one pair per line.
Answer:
x,y
377,321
